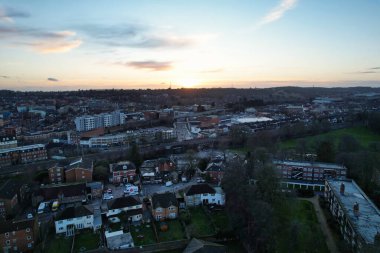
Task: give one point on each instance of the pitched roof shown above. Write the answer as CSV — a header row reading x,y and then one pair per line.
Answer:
x,y
199,189
134,212
74,212
125,165
215,167
68,190
10,226
200,246
123,202
164,200
9,189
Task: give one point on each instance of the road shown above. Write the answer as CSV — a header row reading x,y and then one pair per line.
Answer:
x,y
331,245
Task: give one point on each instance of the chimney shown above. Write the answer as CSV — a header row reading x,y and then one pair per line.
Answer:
x,y
342,188
356,209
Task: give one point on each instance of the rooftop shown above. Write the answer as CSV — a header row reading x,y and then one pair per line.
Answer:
x,y
164,200
23,148
10,226
199,189
367,224
74,212
123,202
309,164
9,189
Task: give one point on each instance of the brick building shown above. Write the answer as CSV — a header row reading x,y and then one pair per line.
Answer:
x,y
23,154
17,236
123,172
76,171
164,206
9,198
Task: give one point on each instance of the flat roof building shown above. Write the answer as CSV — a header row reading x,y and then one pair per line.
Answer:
x,y
357,216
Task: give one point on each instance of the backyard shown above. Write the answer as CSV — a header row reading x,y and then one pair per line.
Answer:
x,y
87,241
175,231
200,224
59,244
143,235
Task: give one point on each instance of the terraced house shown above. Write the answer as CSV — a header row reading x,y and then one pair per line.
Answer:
x,y
164,206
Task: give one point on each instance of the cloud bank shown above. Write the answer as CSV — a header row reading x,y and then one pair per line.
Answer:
x,y
52,79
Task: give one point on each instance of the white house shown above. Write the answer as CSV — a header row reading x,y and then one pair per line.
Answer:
x,y
204,194
130,205
72,218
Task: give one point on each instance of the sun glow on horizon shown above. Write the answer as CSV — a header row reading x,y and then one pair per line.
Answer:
x,y
188,83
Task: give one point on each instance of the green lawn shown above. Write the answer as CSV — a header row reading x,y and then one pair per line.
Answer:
x,y
175,231
362,134
143,235
220,220
59,245
87,241
300,230
200,224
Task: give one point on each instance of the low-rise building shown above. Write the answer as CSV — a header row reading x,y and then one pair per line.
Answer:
x,y
23,154
64,193
74,218
215,171
8,142
204,194
308,174
76,171
357,216
17,236
123,172
130,205
164,206
8,198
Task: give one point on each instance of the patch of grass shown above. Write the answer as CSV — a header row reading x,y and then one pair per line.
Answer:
x,y
300,231
200,224
59,245
174,232
221,221
362,134
143,235
87,241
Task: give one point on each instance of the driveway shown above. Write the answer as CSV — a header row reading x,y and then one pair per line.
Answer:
x,y
331,245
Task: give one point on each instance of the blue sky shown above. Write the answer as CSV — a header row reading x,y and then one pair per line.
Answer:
x,y
52,45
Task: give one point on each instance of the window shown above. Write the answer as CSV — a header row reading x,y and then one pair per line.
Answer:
x,y
158,217
29,245
61,228
60,222
28,237
8,242
89,217
14,232
204,194
27,229
7,235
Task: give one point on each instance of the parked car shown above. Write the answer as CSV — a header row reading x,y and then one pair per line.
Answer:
x,y
107,196
29,216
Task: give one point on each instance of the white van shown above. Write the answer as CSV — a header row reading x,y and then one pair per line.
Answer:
x,y
41,208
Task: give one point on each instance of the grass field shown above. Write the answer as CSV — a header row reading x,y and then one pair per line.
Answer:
x,y
221,221
200,224
363,135
59,245
88,241
143,235
301,231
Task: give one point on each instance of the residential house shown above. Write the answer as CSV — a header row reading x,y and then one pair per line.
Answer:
x,y
215,171
149,170
166,165
130,205
8,142
9,198
74,218
23,154
356,215
17,236
204,194
200,246
164,206
96,189
123,172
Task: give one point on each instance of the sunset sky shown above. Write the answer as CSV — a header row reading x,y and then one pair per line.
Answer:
x,y
70,45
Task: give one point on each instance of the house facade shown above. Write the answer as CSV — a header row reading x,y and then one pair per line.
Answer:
x,y
164,206
204,194
74,218
357,216
130,205
56,175
123,172
215,172
17,236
